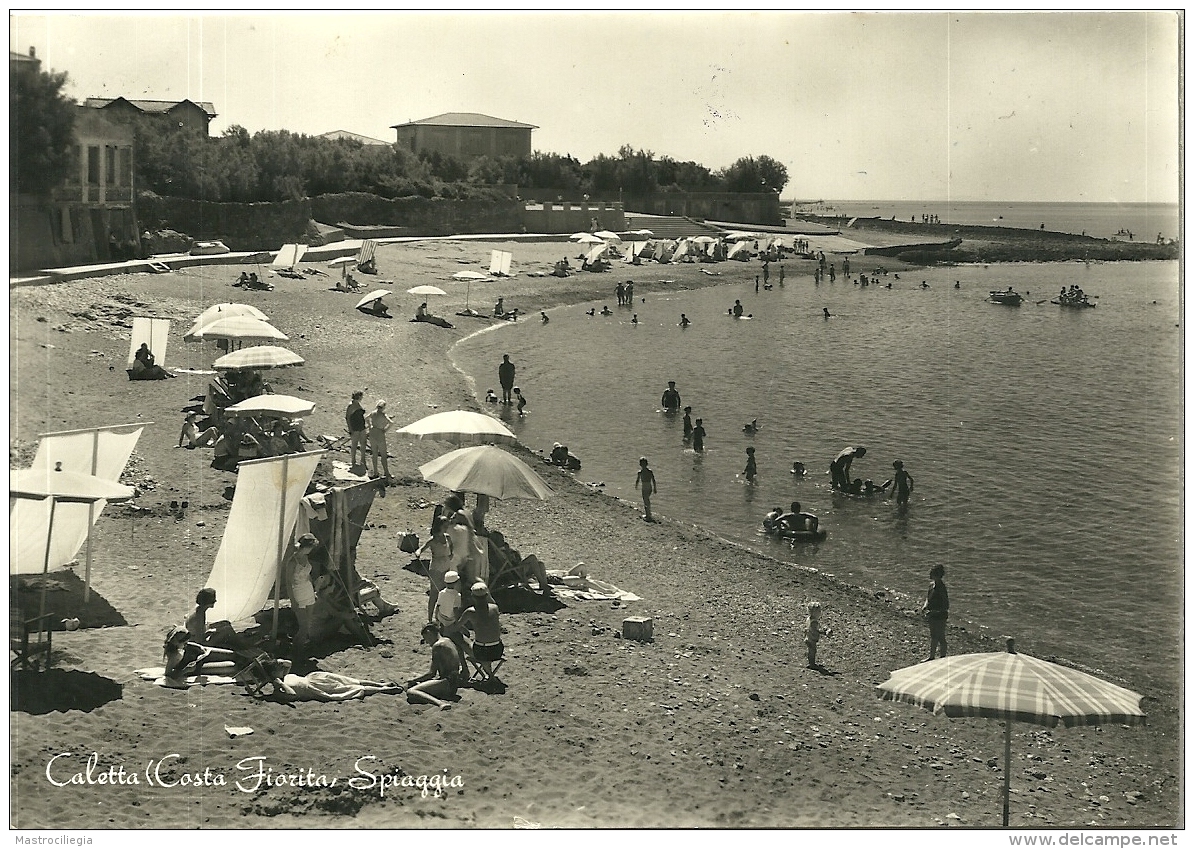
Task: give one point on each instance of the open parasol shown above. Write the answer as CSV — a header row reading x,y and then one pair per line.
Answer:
x,y
460,427
373,296
276,406
485,470
259,356
426,290
241,328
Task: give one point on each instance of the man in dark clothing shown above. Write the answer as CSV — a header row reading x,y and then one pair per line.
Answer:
x,y
936,610
671,398
506,378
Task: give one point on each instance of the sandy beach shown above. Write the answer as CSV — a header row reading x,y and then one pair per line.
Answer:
x,y
716,723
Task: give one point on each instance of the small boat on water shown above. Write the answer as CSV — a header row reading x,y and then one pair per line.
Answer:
x,y
1081,302
1008,298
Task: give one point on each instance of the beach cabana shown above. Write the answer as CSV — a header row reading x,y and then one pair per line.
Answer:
x,y
154,332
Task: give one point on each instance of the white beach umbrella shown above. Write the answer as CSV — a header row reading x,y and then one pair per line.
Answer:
x,y
485,470
608,236
586,239
461,427
470,275
277,406
426,290
225,310
372,296
237,327
259,356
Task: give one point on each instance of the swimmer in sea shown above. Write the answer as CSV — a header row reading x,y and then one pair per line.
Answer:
x,y
798,468
751,427
751,470
634,319
687,423
592,312
698,436
684,322
903,483
605,310
825,312
737,309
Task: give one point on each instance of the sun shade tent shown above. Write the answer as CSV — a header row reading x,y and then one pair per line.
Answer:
x,y
460,427
34,546
499,263
1015,688
154,332
289,256
264,509
596,253
52,487
259,356
275,406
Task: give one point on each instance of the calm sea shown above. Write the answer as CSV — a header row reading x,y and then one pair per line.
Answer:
x,y
1104,220
1046,443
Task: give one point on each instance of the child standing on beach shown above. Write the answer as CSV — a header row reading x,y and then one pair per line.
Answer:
x,y
813,632
750,471
646,481
522,401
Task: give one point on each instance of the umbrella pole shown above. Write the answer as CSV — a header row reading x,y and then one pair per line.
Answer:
x,y
45,569
281,542
87,572
1007,769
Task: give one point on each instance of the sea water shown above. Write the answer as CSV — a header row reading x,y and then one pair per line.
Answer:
x,y
1103,220
1045,442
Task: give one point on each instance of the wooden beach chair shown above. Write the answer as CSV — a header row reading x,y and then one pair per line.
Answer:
x,y
31,641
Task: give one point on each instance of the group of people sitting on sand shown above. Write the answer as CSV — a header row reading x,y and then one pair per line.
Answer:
x,y
250,280
348,283
144,366
242,438
562,457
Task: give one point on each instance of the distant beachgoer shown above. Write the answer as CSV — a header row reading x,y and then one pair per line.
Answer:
x,y
630,292
592,312
355,416
781,275
645,481
217,633
797,521
522,401
543,317
832,274
687,423
924,284
620,294
499,309
506,377
751,427
846,267
738,309
144,355
421,312
756,284
444,677
490,397
813,632
671,398
903,483
825,312
839,469
936,611
634,319
440,546
605,310
957,284
377,307
798,468
194,439
751,470
698,436
379,423
684,322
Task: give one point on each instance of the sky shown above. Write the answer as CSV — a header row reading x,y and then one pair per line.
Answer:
x,y
1033,106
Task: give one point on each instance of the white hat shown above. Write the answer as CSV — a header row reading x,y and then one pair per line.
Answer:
x,y
451,577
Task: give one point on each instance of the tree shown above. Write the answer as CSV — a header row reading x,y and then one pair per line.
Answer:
x,y
41,131
749,174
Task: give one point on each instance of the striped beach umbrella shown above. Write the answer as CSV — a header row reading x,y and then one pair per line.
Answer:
x,y
1014,688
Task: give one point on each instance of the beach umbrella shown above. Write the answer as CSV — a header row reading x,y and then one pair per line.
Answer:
x,y
1015,688
586,239
643,232
470,275
703,240
240,328
259,356
344,260
225,310
608,236
276,406
59,486
460,427
485,470
372,296
426,290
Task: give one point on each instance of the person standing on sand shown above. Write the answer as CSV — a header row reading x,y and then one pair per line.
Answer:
x,y
355,417
379,423
506,378
813,632
936,610
698,436
620,294
645,480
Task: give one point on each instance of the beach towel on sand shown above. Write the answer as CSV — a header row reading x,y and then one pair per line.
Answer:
x,y
157,674
331,687
584,588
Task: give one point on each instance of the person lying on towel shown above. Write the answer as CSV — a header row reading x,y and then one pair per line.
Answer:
x,y
184,657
